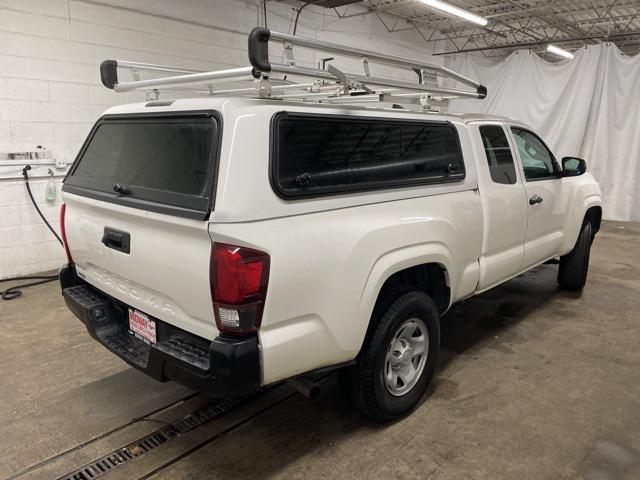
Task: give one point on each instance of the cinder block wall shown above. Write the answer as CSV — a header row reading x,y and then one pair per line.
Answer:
x,y
50,90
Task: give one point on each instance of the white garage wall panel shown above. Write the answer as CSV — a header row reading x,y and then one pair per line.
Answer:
x,y
50,90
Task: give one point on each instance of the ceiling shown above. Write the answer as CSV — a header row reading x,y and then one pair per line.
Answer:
x,y
513,24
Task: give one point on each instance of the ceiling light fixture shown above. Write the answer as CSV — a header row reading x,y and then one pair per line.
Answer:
x,y
458,12
558,51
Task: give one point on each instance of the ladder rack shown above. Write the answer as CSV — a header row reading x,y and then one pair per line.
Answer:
x,y
326,83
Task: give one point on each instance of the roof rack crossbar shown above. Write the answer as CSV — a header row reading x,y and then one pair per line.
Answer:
x,y
154,67
382,82
264,35
178,79
260,78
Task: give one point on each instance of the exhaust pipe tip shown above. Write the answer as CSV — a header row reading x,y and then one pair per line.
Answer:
x,y
306,387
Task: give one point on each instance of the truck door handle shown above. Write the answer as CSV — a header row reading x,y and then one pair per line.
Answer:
x,y
535,199
116,239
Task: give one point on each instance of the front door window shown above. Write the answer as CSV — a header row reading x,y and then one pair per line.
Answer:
x,y
537,160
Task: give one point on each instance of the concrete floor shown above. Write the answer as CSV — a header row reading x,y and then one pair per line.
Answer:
x,y
533,383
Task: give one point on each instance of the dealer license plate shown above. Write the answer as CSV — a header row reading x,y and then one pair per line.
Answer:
x,y
142,326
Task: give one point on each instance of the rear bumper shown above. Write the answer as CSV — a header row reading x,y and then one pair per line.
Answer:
x,y
222,368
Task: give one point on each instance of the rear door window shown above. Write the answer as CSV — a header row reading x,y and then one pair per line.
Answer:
x,y
167,162
327,154
498,152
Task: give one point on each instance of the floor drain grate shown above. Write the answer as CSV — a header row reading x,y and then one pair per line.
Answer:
x,y
165,434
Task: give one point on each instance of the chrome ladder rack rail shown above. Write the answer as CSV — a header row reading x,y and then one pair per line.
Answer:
x,y
322,84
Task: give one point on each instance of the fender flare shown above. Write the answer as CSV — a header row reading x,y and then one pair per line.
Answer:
x,y
394,261
589,201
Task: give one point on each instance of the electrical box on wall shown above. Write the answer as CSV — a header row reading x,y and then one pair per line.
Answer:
x,y
42,161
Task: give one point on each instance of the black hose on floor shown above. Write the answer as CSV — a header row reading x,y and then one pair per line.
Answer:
x,y
15,291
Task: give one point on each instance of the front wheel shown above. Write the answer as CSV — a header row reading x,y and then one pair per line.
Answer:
x,y
572,272
398,359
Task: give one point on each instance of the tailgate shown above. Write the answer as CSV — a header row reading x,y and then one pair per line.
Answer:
x,y
137,204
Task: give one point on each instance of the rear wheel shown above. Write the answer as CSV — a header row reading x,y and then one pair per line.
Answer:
x,y
398,359
572,272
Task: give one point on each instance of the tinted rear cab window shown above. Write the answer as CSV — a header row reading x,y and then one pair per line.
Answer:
x,y
498,152
162,162
325,154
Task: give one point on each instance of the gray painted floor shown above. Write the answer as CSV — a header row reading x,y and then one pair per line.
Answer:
x,y
533,383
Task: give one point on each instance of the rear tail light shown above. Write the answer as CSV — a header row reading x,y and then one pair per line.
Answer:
x,y
238,278
63,230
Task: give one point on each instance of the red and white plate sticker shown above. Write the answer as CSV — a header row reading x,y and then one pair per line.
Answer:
x,y
142,326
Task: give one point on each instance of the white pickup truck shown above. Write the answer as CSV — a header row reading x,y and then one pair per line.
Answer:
x,y
232,243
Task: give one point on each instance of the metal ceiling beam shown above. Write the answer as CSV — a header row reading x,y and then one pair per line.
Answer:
x,y
513,23
532,44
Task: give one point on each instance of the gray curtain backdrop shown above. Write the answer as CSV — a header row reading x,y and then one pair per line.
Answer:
x,y
587,107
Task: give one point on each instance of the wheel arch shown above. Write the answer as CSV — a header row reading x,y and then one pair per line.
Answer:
x,y
593,215
590,209
425,268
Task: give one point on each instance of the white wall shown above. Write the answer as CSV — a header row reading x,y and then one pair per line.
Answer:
x,y
50,90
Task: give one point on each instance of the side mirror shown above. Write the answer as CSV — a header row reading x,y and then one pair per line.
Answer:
x,y
572,166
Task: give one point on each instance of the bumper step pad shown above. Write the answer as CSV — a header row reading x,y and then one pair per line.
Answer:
x,y
127,346
191,353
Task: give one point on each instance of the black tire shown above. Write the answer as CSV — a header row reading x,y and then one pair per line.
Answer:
x,y
574,266
365,381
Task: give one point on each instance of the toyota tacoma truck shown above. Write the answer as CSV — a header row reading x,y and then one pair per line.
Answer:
x,y
231,243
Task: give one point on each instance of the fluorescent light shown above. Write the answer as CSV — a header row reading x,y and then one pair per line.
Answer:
x,y
558,51
458,12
